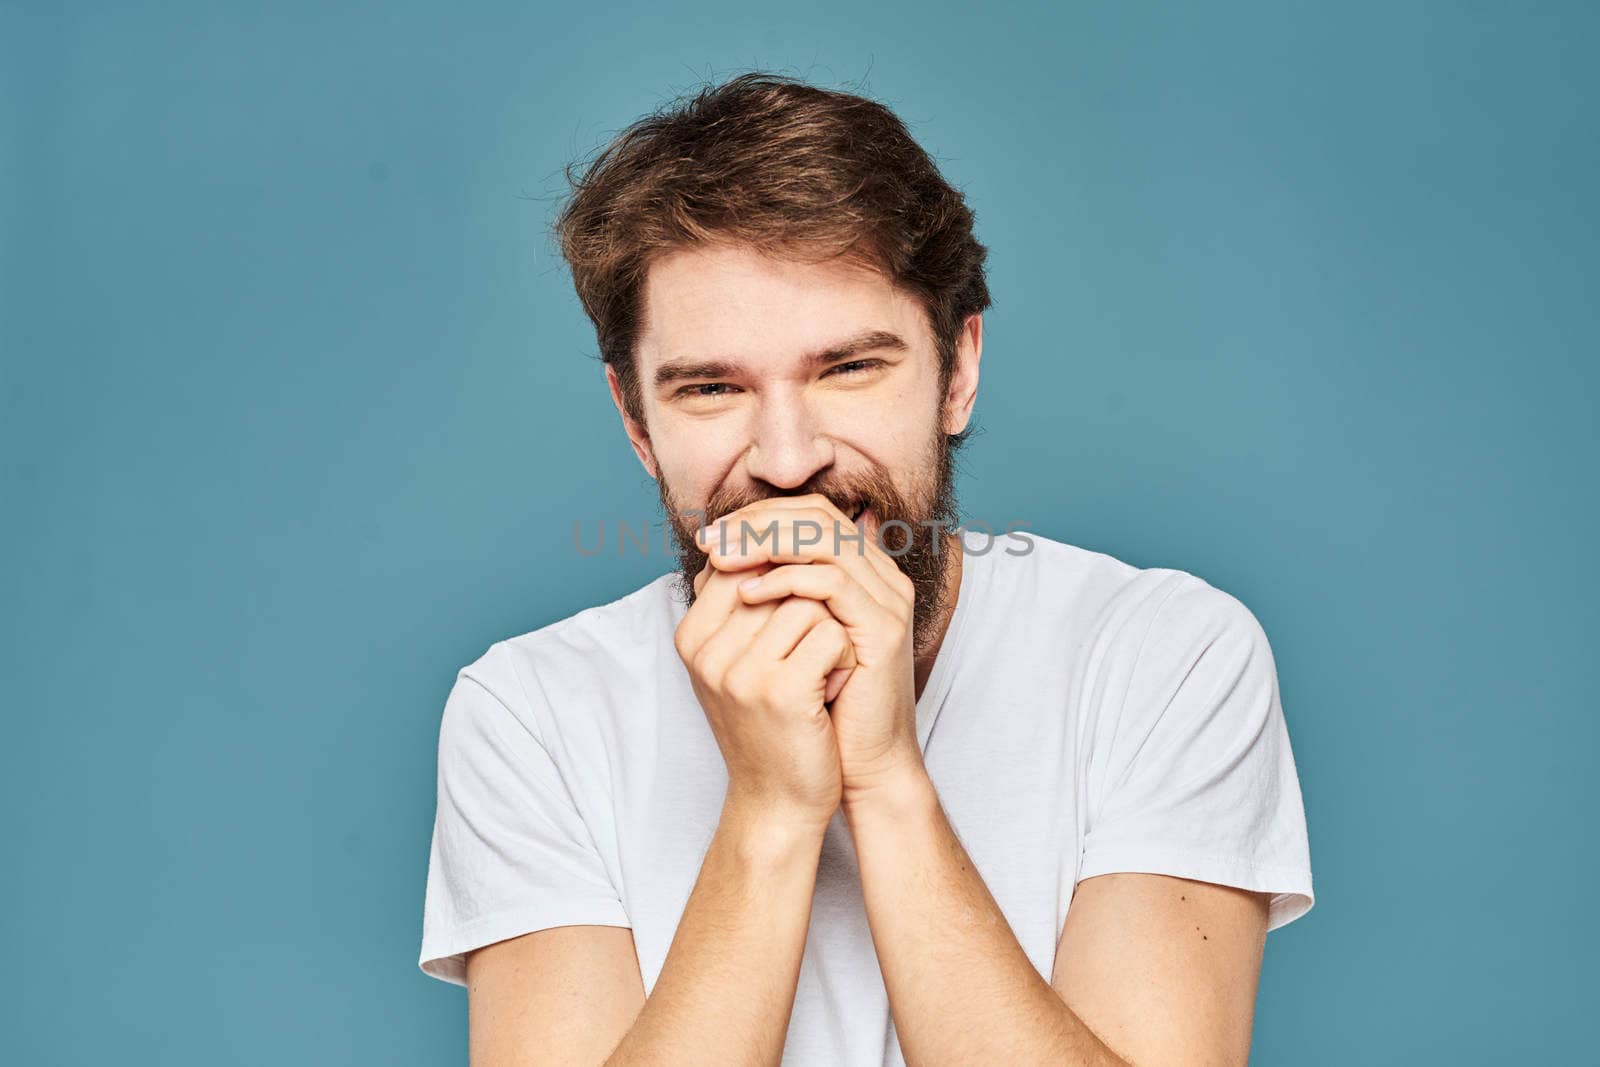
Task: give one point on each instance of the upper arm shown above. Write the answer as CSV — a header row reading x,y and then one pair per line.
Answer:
x,y
512,852
1163,970
563,995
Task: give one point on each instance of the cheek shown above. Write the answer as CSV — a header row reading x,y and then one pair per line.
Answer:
x,y
893,434
694,459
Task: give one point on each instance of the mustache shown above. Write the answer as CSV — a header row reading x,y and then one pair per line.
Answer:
x,y
875,492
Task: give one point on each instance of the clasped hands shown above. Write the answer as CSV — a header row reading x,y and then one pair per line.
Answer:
x,y
799,649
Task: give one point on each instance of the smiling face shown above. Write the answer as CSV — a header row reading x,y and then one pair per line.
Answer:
x,y
760,377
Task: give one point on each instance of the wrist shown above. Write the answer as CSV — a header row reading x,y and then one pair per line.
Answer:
x,y
905,792
765,827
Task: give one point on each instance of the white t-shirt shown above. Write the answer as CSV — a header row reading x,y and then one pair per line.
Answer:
x,y
1083,716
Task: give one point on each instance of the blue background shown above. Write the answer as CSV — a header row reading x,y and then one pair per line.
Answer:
x,y
298,409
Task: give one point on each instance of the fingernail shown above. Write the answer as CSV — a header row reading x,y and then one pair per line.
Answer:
x,y
750,583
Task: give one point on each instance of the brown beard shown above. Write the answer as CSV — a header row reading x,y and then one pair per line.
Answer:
x,y
927,520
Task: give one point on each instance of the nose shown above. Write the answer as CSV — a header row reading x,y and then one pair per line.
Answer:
x,y
788,447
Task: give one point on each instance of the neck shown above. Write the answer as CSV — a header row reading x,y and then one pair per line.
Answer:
x,y
923,663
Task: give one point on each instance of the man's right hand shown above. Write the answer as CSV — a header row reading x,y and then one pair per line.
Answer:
x,y
761,674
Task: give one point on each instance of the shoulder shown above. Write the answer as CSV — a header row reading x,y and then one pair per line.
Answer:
x,y
596,649
1119,596
1032,575
1142,598
1180,655
603,638
1182,618
1178,604
1115,614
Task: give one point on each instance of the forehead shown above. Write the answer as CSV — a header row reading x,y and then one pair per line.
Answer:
x,y
733,303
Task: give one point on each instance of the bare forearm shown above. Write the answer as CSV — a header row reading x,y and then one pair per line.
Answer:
x,y
726,989
960,986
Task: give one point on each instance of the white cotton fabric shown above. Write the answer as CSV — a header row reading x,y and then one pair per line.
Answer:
x,y
1083,716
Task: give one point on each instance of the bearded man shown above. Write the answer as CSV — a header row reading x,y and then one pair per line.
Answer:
x,y
854,784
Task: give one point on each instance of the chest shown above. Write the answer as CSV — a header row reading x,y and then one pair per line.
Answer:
x,y
1007,782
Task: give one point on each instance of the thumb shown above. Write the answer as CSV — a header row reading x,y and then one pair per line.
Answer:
x,y
844,666
835,682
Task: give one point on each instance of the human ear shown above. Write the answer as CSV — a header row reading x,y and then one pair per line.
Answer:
x,y
637,435
963,389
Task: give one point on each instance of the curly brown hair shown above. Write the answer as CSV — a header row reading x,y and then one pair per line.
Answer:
x,y
771,162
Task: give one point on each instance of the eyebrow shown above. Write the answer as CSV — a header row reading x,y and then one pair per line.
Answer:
x,y
866,341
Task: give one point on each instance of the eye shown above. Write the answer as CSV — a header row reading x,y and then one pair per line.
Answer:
x,y
855,366
696,390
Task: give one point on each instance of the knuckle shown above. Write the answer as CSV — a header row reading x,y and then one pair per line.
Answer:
x,y
832,633
703,664
798,517
804,611
743,682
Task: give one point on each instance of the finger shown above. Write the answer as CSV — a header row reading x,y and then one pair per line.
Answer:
x,y
729,641
870,545
754,519
806,536
717,600
757,520
730,521
824,648
789,622
835,587
835,682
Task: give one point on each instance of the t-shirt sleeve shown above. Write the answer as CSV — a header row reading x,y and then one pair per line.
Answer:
x,y
510,854
1193,774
